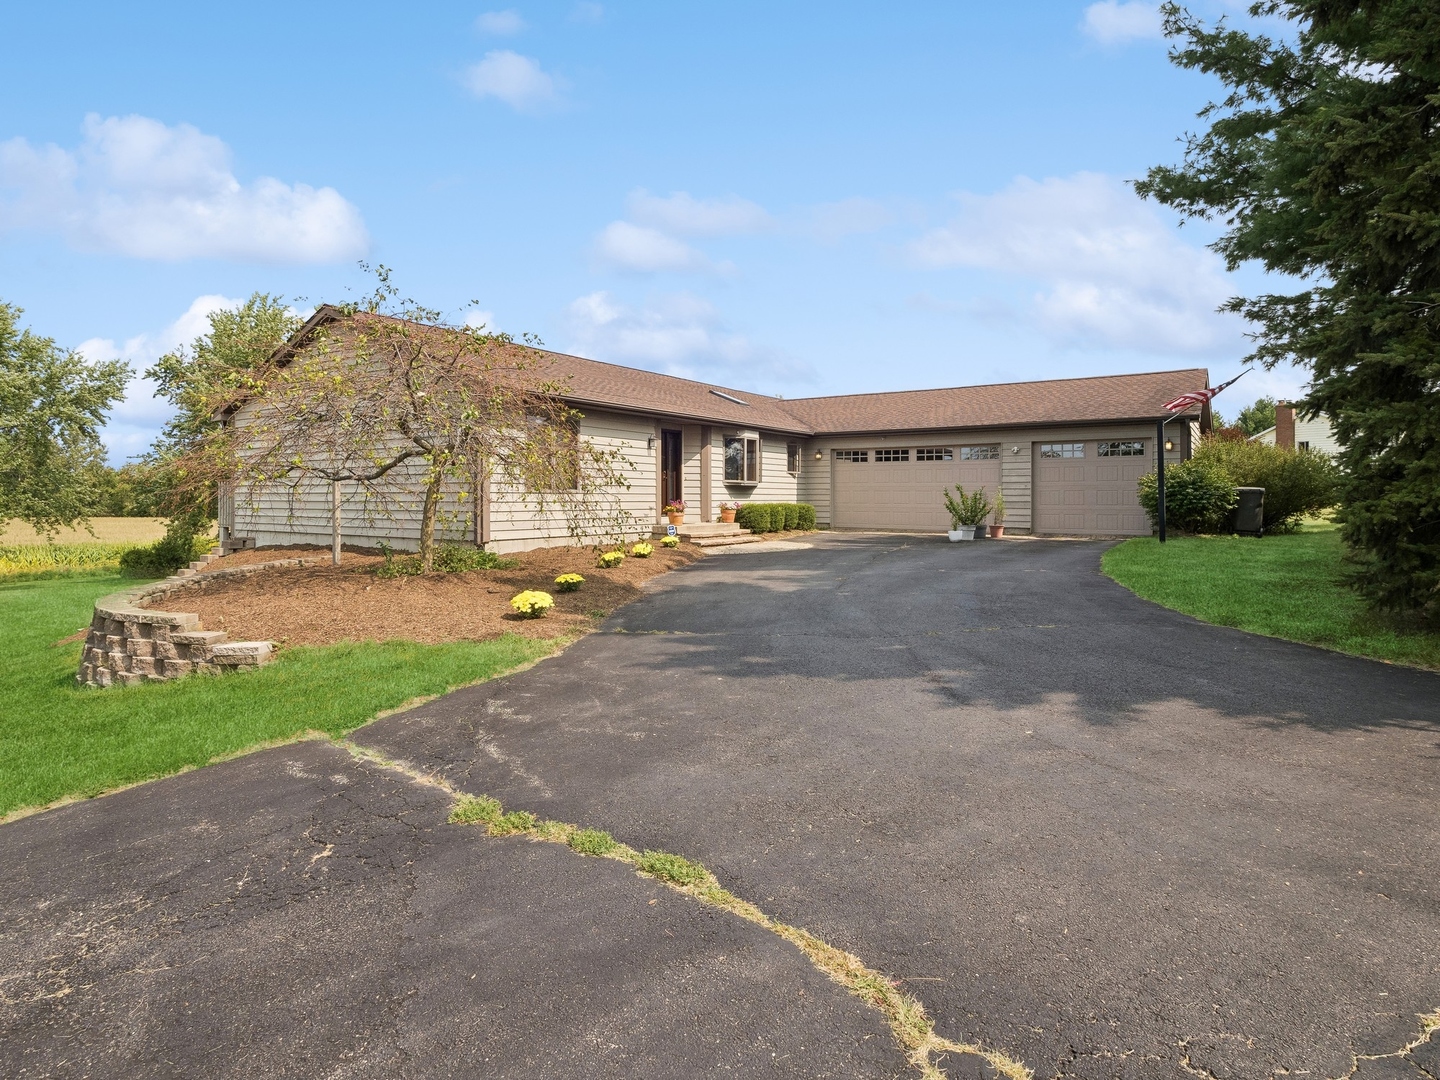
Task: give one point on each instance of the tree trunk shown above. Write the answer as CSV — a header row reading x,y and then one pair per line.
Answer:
x,y
427,520
335,522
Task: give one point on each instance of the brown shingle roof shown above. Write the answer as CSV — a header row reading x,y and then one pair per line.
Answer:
x,y
1053,401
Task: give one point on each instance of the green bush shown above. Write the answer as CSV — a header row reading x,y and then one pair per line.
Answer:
x,y
455,559
172,551
1199,495
773,517
1296,482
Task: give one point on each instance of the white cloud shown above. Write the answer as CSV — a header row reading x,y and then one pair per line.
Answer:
x,y
500,23
1112,272
830,222
627,246
138,187
678,334
681,214
482,319
514,79
1111,22
136,421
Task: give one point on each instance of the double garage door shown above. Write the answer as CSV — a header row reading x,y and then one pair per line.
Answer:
x,y
1078,488
904,488
1090,488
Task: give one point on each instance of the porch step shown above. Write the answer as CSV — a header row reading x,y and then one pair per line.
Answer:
x,y
696,530
727,540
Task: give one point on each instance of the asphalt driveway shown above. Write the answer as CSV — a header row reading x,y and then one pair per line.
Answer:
x,y
1105,837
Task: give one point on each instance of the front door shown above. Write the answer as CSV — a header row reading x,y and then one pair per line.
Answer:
x,y
672,485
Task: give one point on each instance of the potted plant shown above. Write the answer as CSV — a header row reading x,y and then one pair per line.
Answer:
x,y
727,512
675,511
998,528
967,512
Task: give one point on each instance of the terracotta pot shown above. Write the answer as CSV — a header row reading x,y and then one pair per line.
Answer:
x,y
727,516
997,530
676,519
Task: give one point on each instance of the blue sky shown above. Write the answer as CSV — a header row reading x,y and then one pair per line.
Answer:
x,y
798,199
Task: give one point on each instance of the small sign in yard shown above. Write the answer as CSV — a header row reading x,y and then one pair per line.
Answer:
x,y
670,530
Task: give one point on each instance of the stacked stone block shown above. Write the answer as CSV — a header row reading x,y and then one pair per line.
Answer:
x,y
129,643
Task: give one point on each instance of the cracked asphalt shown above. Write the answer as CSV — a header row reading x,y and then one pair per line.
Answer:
x,y
1104,837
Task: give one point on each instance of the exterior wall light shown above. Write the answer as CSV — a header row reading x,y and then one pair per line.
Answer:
x,y
1169,444
1014,449
650,442
819,455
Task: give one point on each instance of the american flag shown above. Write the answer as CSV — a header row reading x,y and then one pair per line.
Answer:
x,y
1198,397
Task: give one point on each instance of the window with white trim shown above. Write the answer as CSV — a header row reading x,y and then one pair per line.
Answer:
x,y
980,453
852,455
742,459
1062,449
1120,449
934,453
892,455
792,458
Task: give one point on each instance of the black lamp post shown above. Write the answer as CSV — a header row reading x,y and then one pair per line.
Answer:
x,y
1160,475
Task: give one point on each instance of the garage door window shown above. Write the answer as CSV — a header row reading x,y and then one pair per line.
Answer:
x,y
1120,449
852,455
979,453
934,453
1062,449
892,455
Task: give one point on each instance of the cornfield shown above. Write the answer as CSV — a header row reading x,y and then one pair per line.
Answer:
x,y
19,561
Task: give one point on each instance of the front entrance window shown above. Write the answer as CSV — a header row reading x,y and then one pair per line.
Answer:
x,y
672,482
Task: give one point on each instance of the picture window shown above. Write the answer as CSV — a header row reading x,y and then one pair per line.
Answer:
x,y
742,459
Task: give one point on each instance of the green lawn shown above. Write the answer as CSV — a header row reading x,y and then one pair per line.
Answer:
x,y
57,739
1285,586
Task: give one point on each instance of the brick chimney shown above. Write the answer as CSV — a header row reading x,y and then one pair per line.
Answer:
x,y
1285,426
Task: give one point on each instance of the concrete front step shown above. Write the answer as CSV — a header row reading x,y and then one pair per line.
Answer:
x,y
728,540
695,530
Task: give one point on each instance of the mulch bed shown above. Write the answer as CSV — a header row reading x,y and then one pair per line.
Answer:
x,y
321,605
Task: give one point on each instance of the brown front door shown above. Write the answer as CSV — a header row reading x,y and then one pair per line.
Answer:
x,y
672,485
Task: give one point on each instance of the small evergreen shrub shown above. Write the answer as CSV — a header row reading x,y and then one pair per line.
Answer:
x,y
1199,495
792,515
806,517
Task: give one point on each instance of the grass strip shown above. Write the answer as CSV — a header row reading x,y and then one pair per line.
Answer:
x,y
60,741
910,1024
1285,586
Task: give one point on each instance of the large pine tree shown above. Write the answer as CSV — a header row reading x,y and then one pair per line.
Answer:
x,y
1323,163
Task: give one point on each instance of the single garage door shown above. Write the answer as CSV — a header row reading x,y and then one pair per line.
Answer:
x,y
1089,488
904,487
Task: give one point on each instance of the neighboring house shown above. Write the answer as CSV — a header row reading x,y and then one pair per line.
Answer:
x,y
1067,454
1296,433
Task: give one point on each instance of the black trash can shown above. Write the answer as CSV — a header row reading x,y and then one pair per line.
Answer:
x,y
1248,517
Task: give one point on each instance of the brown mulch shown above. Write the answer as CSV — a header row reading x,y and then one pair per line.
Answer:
x,y
320,605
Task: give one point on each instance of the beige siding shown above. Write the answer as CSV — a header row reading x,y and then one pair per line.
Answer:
x,y
815,480
1016,485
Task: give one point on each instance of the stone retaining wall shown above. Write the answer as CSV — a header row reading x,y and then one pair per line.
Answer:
x,y
130,642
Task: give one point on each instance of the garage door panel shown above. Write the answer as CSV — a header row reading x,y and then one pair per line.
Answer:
x,y
904,494
1090,495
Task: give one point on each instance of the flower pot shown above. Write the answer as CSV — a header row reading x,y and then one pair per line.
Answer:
x,y
676,519
965,532
727,517
997,530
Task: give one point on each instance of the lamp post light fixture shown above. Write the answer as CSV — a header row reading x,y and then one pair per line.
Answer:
x,y
1169,444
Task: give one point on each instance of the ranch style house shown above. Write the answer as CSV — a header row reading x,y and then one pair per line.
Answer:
x,y
1066,454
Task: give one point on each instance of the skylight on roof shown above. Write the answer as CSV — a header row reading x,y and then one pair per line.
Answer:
x,y
730,397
